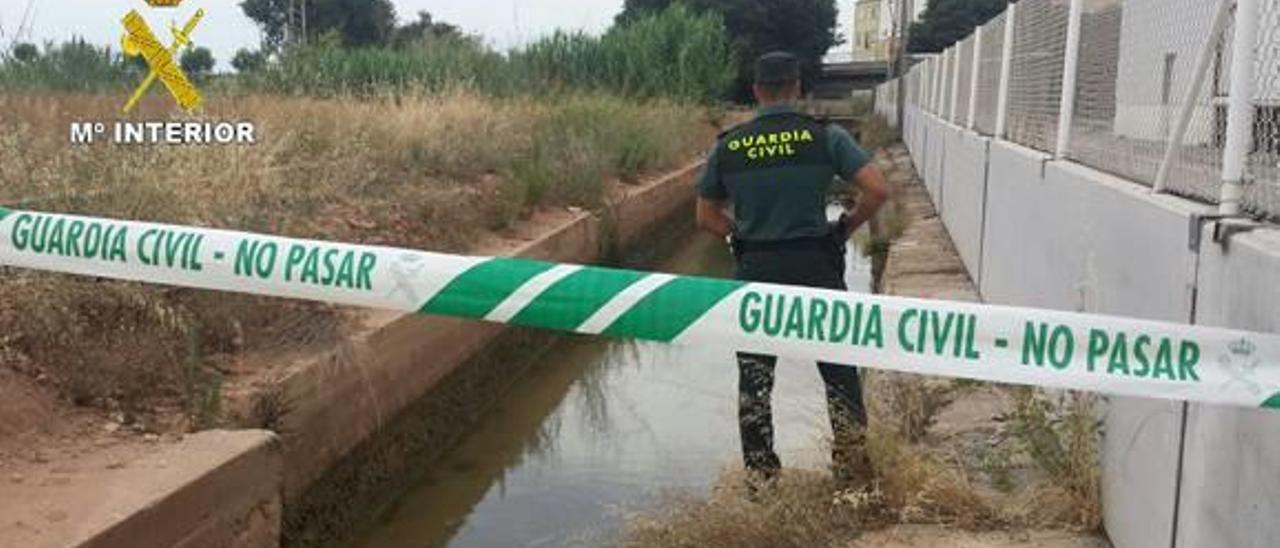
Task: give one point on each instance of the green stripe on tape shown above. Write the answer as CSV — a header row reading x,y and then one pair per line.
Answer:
x,y
666,312
570,301
1274,402
4,213
475,293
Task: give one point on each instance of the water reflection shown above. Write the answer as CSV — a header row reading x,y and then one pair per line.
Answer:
x,y
597,429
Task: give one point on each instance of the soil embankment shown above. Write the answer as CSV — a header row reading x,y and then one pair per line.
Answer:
x,y
348,419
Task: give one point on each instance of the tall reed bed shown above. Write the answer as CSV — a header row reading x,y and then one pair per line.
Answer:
x,y
673,54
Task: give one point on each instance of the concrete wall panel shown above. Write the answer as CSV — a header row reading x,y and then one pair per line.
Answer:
x,y
1062,236
1230,483
1136,263
964,197
935,146
1029,256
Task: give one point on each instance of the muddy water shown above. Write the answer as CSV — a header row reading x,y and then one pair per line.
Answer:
x,y
599,429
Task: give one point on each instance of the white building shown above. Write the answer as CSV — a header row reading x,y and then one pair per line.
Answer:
x,y
875,27
1159,43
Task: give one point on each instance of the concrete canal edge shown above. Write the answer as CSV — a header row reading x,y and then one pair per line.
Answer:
x,y
354,422
214,488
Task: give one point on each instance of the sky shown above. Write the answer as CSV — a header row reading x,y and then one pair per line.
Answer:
x,y
503,23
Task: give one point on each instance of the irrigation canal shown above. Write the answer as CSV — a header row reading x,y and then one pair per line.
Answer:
x,y
598,429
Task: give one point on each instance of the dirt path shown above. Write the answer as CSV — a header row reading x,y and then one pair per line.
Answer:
x,y
966,425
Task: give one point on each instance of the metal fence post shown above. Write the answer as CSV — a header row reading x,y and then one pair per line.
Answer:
x,y
944,81
935,99
940,82
1187,110
1067,102
938,101
953,113
926,85
1006,66
1235,156
974,74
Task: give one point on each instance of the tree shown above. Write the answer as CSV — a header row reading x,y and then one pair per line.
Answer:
x,y
248,61
634,9
271,16
945,22
197,62
358,22
806,28
25,52
424,27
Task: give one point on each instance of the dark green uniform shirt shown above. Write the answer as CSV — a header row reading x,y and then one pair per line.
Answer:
x,y
777,171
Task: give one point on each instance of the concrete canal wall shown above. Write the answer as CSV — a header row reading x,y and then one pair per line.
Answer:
x,y
1034,231
353,421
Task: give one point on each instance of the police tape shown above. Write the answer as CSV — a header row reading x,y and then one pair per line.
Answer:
x,y
984,342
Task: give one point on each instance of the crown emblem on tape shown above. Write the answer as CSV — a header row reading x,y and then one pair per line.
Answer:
x,y
1242,347
164,3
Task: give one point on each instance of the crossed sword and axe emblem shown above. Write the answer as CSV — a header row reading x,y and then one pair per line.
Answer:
x,y
139,40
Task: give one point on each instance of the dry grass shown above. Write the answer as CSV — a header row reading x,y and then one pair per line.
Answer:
x,y
1061,435
912,403
915,483
807,509
918,487
431,172
801,511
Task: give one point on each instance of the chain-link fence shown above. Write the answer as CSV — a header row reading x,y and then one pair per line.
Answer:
x,y
1262,195
1138,79
964,85
1035,81
1137,65
989,75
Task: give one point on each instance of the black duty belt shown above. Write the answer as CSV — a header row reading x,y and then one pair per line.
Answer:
x,y
811,243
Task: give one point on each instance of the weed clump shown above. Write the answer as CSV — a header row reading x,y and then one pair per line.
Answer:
x,y
803,509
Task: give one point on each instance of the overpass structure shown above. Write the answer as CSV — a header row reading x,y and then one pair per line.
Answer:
x,y
840,79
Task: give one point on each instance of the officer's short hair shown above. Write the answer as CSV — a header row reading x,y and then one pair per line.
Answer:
x,y
777,69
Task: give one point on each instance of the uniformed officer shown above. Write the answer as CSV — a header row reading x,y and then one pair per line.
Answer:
x,y
765,188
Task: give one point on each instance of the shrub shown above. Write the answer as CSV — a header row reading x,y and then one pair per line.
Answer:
x,y
75,65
